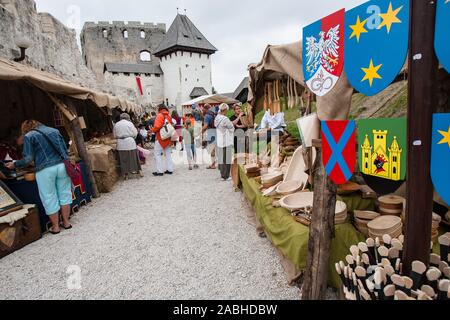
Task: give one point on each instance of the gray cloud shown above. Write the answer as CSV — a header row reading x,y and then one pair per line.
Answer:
x,y
239,29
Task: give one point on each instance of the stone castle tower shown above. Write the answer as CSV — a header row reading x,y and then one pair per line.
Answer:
x,y
185,55
171,67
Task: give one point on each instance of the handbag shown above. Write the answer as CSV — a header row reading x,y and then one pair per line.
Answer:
x,y
167,131
72,170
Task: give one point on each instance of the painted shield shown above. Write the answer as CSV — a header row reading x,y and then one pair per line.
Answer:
x,y
442,44
376,44
382,148
440,155
323,53
339,149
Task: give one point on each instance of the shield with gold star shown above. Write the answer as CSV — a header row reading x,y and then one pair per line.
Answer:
x,y
376,44
441,42
440,155
323,53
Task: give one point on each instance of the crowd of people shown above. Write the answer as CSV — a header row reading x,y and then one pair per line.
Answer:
x,y
207,127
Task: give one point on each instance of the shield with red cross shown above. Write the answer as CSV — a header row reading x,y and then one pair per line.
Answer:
x,y
339,149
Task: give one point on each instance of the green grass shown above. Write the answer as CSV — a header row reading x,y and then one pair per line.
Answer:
x,y
397,106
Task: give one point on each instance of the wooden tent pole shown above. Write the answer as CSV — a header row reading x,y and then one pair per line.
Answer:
x,y
70,112
321,232
422,99
82,151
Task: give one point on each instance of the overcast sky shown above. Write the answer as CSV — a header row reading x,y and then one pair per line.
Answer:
x,y
240,29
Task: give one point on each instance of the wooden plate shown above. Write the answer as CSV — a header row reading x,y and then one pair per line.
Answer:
x,y
384,224
394,232
366,215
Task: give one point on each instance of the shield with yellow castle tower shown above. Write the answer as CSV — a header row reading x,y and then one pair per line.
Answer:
x,y
382,148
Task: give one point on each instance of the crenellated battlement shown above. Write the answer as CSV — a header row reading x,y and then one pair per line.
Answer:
x,y
126,24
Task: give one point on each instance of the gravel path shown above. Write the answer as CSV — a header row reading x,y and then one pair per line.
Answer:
x,y
186,236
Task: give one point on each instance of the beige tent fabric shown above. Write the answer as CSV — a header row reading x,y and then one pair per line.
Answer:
x,y
11,71
287,60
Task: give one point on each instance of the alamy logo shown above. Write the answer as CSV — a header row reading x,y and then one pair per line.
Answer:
x,y
74,279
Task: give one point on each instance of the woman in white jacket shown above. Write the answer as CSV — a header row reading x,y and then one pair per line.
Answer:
x,y
225,141
125,132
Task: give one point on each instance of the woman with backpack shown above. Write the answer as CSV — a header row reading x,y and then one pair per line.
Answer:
x,y
162,146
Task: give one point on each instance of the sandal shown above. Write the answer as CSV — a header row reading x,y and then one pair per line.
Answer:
x,y
211,168
53,232
66,228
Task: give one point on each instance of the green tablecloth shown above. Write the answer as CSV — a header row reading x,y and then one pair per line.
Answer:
x,y
291,237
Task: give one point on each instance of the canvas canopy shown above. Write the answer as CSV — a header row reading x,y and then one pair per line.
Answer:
x,y
210,99
287,60
11,71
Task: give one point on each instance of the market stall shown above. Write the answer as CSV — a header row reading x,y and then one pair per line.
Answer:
x,y
79,113
353,154
213,100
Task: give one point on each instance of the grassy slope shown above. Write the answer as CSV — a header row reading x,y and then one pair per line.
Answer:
x,y
390,103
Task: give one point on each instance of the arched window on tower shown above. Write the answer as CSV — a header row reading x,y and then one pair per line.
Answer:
x,y
142,34
145,56
125,34
105,33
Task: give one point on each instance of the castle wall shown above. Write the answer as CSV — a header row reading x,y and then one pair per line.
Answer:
x,y
105,42
183,71
54,47
152,87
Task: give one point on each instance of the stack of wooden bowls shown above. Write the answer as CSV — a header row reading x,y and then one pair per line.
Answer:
x,y
362,219
341,213
435,227
390,225
391,205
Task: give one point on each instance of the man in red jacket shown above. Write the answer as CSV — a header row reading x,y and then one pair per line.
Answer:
x,y
162,147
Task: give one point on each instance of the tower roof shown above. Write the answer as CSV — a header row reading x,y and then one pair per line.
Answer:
x,y
184,35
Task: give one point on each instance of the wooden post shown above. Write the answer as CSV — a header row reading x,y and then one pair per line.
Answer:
x,y
321,232
81,147
422,98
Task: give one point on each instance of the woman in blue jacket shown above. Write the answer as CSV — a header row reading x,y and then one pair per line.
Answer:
x,y
46,148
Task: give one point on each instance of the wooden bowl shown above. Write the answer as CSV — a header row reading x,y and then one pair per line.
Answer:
x,y
362,223
271,179
297,201
289,187
366,215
